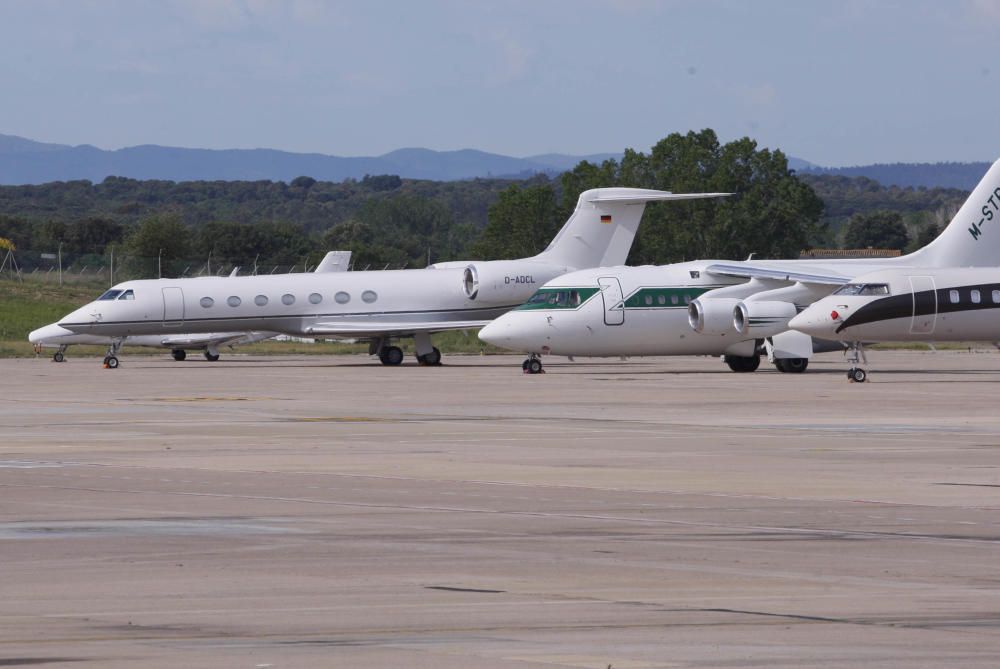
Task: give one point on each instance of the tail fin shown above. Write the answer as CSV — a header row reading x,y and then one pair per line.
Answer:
x,y
972,238
602,228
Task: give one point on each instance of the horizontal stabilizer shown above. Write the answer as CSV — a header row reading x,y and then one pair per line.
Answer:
x,y
638,195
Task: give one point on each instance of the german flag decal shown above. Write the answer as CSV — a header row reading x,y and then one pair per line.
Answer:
x,y
605,218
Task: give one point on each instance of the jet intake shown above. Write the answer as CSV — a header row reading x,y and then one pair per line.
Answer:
x,y
507,282
712,316
762,318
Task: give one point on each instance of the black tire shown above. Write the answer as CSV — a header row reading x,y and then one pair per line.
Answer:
x,y
859,375
792,365
211,357
391,356
743,364
58,356
534,366
179,354
433,358
524,365
111,362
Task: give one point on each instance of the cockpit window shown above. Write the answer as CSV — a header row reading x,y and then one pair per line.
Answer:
x,y
863,289
110,295
559,298
127,295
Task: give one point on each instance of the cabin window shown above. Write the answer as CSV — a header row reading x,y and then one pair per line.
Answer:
x,y
976,299
260,300
127,295
687,299
953,296
315,298
649,300
661,299
234,301
110,295
673,299
996,297
342,297
369,296
288,299
207,302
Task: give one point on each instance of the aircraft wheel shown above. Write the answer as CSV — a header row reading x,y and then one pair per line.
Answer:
x,y
211,357
391,355
179,354
524,365
857,375
792,365
433,358
111,362
534,366
58,356
739,363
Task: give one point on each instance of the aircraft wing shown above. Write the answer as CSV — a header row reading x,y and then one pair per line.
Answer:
x,y
215,338
777,273
379,328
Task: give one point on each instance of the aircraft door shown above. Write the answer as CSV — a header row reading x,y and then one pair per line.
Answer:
x,y
173,306
611,293
924,304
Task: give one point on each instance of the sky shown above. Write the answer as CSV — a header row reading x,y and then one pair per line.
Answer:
x,y
843,82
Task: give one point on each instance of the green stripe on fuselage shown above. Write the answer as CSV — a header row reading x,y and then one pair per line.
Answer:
x,y
664,298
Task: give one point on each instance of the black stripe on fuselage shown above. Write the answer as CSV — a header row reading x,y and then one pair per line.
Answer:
x,y
902,306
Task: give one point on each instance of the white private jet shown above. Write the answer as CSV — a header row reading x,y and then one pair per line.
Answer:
x,y
717,307
59,338
913,304
377,306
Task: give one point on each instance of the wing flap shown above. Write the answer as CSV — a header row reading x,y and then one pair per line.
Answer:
x,y
355,329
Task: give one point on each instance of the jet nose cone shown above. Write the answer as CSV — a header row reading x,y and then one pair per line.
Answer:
x,y
810,323
493,333
47,333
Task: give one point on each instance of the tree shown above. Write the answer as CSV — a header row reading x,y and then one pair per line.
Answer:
x,y
158,241
521,224
879,229
771,213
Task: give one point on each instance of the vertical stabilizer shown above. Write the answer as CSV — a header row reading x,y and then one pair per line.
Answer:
x,y
602,228
972,238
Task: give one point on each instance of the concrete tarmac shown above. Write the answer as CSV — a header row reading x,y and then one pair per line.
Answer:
x,y
331,512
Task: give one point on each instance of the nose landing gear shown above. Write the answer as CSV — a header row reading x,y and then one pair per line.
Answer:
x,y
856,353
533,365
111,359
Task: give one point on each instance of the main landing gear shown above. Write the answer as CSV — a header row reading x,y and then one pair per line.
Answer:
x,y
741,363
111,359
533,365
432,359
211,355
178,354
791,365
856,353
391,355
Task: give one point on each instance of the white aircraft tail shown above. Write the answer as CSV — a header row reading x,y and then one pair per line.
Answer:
x,y
601,229
972,238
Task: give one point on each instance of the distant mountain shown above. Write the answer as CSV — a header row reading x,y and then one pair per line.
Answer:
x,y
929,175
23,161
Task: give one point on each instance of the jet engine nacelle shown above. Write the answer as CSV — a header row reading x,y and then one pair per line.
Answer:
x,y
712,316
507,281
762,318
